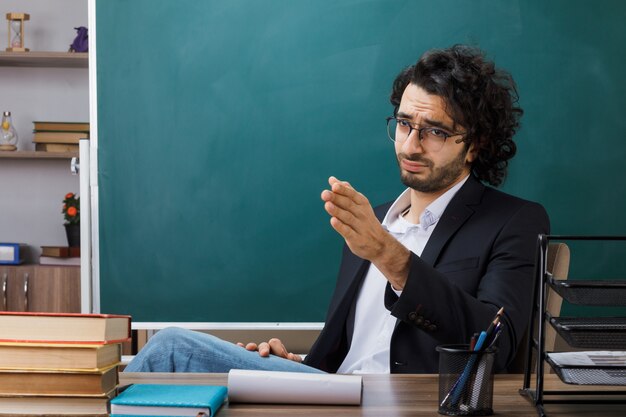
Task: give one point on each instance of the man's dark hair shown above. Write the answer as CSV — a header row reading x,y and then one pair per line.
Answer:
x,y
478,97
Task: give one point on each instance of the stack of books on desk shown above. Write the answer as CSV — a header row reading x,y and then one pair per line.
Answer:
x,y
59,363
60,255
59,136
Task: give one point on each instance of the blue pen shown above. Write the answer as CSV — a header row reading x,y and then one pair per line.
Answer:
x,y
462,381
480,341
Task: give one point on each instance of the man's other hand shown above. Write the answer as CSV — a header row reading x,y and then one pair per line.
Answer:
x,y
273,346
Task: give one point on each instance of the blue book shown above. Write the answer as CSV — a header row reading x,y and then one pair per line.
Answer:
x,y
12,253
169,400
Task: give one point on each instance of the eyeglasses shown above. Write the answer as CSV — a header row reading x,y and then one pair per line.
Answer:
x,y
431,138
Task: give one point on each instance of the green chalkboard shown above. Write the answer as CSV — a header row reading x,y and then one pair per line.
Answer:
x,y
219,122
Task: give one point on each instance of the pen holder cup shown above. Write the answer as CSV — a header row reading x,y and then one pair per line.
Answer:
x,y
465,380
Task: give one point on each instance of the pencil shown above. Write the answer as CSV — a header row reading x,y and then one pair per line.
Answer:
x,y
495,321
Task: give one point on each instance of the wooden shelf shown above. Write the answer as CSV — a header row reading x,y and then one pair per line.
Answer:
x,y
44,59
37,155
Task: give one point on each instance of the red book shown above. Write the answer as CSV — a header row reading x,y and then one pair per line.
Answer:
x,y
64,327
60,251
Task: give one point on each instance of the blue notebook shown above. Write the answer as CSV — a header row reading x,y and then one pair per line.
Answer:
x,y
168,400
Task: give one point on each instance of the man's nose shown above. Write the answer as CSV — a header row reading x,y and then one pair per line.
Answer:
x,y
413,144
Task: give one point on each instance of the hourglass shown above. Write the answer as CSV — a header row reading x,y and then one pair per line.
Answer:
x,y
16,31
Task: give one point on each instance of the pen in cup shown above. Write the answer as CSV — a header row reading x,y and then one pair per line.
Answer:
x,y
492,334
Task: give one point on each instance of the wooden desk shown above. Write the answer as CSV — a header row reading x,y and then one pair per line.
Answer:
x,y
390,396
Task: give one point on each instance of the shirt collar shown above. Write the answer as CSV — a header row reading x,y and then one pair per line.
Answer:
x,y
431,213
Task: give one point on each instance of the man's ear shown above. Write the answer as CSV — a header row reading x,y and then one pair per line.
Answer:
x,y
472,153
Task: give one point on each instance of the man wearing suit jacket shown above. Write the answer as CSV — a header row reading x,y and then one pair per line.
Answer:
x,y
478,258
450,251
434,266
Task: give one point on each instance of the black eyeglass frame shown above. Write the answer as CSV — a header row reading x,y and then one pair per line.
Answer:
x,y
420,131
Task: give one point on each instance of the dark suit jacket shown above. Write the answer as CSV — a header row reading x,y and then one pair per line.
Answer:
x,y
480,257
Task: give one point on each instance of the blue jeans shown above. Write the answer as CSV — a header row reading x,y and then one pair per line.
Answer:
x,y
179,350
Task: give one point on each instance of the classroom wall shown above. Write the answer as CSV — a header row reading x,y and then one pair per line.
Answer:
x,y
219,123
32,191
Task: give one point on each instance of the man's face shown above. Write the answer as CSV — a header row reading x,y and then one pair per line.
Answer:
x,y
421,170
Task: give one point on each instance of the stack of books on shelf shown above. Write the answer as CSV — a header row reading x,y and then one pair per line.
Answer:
x,y
60,363
59,136
60,255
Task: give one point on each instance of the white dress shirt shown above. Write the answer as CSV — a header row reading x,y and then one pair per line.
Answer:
x,y
373,323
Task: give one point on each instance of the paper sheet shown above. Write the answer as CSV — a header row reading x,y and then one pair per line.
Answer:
x,y
293,388
589,358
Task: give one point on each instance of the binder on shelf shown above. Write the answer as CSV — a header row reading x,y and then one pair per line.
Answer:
x,y
12,253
